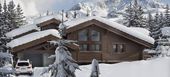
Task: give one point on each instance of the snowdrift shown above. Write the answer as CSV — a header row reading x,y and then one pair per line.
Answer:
x,y
150,68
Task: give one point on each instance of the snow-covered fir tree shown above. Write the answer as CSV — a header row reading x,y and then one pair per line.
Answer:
x,y
95,69
134,15
12,15
19,16
64,65
163,47
156,27
5,56
5,14
161,19
167,17
1,16
129,16
150,22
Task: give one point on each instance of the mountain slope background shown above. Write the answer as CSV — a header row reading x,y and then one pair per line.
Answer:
x,y
114,7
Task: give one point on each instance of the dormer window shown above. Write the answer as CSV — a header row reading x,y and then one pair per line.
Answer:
x,y
89,40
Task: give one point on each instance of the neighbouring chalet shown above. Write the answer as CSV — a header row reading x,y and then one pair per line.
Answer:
x,y
97,37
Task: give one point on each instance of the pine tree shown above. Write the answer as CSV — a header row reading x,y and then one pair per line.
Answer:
x,y
167,17
163,46
1,16
12,15
156,28
20,17
134,16
129,16
64,65
150,22
5,56
5,14
161,19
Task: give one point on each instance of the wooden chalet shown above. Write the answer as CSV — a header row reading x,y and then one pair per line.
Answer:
x,y
97,38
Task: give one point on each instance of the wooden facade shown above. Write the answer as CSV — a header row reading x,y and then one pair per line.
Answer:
x,y
131,47
103,42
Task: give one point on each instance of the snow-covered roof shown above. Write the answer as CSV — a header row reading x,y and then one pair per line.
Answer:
x,y
33,26
165,31
135,33
33,36
141,30
21,30
49,17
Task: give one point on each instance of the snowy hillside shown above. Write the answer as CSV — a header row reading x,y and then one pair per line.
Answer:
x,y
106,7
113,9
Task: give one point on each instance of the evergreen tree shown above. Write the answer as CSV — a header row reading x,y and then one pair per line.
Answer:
x,y
129,16
161,20
95,69
64,65
156,28
163,46
5,56
5,14
167,17
20,17
134,16
150,22
12,15
1,16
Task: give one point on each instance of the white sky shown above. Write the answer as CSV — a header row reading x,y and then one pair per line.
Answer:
x,y
33,7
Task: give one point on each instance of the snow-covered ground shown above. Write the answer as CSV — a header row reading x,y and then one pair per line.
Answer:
x,y
159,67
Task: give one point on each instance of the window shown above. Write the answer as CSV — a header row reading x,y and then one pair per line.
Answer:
x,y
118,48
114,48
89,40
95,36
83,35
95,47
83,47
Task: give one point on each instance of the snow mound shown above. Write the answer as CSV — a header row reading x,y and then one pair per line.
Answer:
x,y
120,27
21,30
33,36
149,68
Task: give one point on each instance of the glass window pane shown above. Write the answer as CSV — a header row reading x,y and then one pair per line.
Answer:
x,y
92,47
121,47
83,47
114,48
95,47
95,36
83,35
